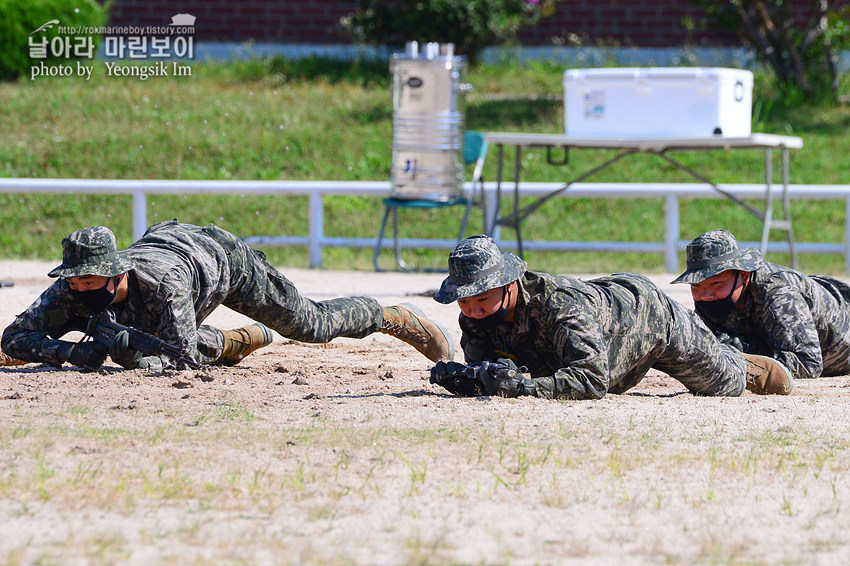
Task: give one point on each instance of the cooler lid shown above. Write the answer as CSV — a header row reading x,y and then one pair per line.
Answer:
x,y
647,73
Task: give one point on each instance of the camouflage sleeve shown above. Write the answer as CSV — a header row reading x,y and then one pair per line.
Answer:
x,y
177,326
579,342
788,324
33,336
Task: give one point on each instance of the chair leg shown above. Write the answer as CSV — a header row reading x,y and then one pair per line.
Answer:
x,y
380,238
396,242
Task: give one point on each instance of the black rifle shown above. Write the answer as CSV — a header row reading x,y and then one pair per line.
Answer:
x,y
102,328
465,379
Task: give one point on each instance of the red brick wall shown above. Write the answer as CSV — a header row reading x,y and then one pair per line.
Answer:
x,y
638,23
625,23
286,21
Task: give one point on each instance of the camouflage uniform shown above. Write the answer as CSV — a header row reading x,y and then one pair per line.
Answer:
x,y
802,321
582,339
178,274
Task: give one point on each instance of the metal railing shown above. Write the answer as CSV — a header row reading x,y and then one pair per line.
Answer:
x,y
315,240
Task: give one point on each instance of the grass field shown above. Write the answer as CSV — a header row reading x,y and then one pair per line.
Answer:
x,y
318,119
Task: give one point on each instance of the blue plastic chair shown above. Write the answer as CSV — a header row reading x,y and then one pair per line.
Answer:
x,y
474,151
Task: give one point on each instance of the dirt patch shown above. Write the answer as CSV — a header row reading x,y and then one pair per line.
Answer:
x,y
344,454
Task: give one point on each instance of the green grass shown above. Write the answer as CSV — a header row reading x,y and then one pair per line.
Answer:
x,y
313,119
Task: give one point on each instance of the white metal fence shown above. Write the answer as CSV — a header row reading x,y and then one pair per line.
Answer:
x,y
315,240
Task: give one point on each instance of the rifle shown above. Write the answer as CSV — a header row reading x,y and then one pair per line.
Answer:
x,y
464,380
102,328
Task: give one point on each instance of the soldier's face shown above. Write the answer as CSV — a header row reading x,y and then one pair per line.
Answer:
x,y
479,306
488,302
88,282
722,285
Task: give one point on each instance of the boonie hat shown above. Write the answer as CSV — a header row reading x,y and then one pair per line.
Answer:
x,y
715,252
91,251
477,265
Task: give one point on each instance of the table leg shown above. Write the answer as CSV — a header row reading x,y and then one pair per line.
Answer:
x,y
776,224
768,199
517,220
786,206
493,223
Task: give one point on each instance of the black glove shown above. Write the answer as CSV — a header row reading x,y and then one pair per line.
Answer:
x,y
505,379
123,355
87,355
457,379
731,340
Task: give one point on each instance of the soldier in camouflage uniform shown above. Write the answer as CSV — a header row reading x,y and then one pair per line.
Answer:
x,y
764,308
582,339
170,280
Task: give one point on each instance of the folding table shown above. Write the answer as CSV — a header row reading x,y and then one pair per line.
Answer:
x,y
659,146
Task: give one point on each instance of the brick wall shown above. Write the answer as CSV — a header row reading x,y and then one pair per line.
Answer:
x,y
638,23
286,21
627,23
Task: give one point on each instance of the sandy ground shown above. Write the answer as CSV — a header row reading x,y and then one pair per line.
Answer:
x,y
345,454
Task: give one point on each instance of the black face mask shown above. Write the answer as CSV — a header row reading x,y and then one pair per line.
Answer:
x,y
495,319
715,310
96,300
719,309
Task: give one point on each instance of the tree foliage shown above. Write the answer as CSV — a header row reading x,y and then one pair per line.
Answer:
x,y
471,25
798,40
19,18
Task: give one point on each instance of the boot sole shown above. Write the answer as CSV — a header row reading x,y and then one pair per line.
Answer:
x,y
445,332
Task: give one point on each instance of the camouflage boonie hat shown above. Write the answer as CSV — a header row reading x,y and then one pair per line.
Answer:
x,y
477,265
715,252
91,251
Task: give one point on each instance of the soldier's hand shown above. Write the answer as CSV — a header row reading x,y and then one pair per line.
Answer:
x,y
123,355
504,379
729,340
444,370
453,377
87,355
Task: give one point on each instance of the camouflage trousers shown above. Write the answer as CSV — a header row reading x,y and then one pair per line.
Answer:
x,y
258,290
661,334
690,353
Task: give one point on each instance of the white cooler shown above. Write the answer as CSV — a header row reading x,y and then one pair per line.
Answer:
x,y
658,102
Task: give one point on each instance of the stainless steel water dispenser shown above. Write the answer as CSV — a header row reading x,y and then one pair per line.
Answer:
x,y
428,122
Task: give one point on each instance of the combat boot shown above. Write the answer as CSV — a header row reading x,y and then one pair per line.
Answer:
x,y
240,342
409,324
7,360
766,376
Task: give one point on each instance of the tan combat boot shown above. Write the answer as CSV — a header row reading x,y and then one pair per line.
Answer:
x,y
766,376
7,360
409,324
240,342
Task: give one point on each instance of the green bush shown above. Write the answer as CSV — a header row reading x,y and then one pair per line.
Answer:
x,y
20,18
471,25
803,52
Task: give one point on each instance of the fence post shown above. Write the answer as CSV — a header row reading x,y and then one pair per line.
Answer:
x,y
671,233
847,235
316,230
490,210
140,214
